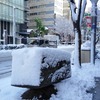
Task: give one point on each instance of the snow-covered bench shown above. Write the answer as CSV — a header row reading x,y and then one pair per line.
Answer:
x,y
39,67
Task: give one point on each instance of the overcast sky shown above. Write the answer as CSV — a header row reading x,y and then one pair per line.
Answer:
x,y
89,4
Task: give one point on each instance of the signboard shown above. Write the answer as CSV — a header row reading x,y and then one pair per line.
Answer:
x,y
88,21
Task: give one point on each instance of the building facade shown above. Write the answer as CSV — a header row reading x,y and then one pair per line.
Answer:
x,y
11,16
61,8
23,26
47,11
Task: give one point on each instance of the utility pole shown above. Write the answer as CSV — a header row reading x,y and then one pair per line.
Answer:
x,y
93,29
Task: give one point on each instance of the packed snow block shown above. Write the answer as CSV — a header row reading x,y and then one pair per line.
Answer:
x,y
39,67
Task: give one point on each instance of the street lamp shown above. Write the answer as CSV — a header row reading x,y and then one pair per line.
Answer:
x,y
93,29
13,24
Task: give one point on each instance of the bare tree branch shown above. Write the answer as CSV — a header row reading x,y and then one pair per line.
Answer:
x,y
73,10
84,2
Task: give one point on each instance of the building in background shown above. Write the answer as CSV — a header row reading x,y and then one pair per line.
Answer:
x,y
11,12
47,11
23,26
61,8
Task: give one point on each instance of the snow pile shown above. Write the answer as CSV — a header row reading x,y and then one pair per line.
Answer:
x,y
68,48
59,74
53,56
7,92
75,87
86,45
26,64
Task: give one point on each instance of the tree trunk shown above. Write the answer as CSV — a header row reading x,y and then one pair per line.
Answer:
x,y
77,32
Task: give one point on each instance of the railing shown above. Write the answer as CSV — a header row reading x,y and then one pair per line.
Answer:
x,y
31,41
42,42
53,44
67,42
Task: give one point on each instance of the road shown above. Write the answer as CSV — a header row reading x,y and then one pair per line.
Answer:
x,y
5,64
5,68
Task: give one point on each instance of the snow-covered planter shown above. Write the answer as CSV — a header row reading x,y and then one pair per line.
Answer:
x,y
39,67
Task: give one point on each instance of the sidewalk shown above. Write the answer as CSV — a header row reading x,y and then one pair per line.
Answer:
x,y
96,92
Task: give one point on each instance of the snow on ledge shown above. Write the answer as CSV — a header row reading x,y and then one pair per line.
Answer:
x,y
26,64
86,45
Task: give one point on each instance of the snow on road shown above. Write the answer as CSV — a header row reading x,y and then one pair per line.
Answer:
x,y
5,63
5,55
5,68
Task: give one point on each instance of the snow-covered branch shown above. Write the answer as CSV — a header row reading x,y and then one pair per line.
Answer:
x,y
63,26
77,12
73,10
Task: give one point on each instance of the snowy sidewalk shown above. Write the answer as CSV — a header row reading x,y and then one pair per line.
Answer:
x,y
96,92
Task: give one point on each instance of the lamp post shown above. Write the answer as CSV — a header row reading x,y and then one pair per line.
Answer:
x,y
93,29
13,24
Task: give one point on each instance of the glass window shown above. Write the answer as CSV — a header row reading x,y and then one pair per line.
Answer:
x,y
49,19
6,10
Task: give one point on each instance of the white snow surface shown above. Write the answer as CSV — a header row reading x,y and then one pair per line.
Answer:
x,y
5,53
8,92
86,45
73,88
26,64
67,48
74,15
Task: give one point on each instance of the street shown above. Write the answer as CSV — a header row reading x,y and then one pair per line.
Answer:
x,y
5,66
